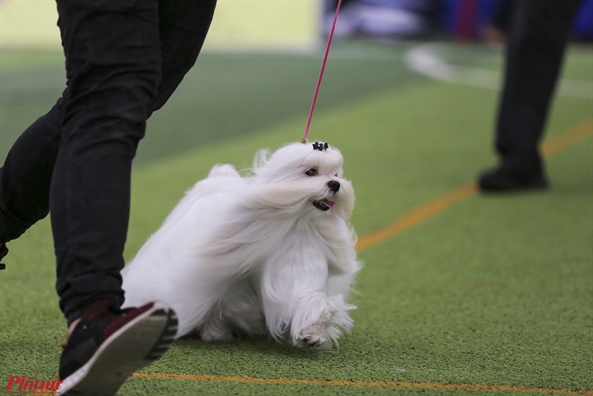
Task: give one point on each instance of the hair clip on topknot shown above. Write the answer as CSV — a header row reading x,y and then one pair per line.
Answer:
x,y
320,146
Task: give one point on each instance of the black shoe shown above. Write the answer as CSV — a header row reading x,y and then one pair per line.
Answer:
x,y
107,346
3,253
515,174
498,182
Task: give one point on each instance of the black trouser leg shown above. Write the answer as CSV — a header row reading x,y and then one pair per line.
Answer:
x,y
123,62
539,32
113,69
26,175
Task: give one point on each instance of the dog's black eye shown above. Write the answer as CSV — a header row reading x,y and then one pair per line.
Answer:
x,y
311,172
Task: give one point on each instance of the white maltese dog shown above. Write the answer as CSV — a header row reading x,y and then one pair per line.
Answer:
x,y
271,253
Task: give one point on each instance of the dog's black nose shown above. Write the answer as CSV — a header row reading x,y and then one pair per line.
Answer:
x,y
334,186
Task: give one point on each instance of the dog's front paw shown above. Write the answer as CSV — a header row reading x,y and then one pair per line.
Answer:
x,y
314,336
311,341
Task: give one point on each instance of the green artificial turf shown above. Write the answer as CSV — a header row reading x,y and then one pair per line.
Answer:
x,y
494,290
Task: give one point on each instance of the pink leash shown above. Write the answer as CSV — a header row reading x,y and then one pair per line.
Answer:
x,y
329,43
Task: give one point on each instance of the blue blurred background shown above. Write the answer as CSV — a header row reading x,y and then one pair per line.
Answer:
x,y
466,20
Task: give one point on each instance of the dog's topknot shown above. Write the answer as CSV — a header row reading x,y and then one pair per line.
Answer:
x,y
320,146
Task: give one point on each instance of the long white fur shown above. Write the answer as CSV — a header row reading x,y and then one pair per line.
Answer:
x,y
252,255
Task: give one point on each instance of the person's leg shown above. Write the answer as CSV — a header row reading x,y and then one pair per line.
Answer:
x,y
107,345
90,189
113,62
183,29
539,32
114,66
26,174
25,177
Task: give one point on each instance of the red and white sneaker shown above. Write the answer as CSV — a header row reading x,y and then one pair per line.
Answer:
x,y
107,346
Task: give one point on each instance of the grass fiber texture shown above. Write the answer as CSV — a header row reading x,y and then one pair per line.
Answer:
x,y
492,296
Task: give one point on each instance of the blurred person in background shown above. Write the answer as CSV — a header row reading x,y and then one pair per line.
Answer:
x,y
382,19
495,30
538,33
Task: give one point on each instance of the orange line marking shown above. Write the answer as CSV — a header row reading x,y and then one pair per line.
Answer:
x,y
416,216
438,205
382,384
412,218
573,136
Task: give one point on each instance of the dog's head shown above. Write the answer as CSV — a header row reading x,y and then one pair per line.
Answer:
x,y
306,175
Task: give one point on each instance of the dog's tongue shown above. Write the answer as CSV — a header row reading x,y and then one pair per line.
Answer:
x,y
328,203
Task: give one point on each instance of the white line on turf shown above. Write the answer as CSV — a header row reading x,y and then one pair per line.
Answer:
x,y
425,59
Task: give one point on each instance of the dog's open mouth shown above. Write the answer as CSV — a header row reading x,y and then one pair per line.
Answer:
x,y
324,204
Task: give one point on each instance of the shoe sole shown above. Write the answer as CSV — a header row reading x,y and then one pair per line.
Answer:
x,y
512,189
501,185
137,344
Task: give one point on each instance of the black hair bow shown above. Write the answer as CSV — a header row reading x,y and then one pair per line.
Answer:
x,y
320,146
